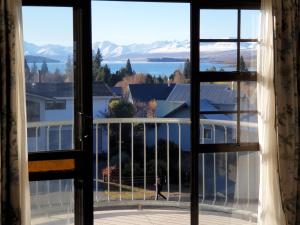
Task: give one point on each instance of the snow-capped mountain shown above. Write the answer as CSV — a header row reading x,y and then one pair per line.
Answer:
x,y
112,51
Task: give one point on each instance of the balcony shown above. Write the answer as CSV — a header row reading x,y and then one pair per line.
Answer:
x,y
128,161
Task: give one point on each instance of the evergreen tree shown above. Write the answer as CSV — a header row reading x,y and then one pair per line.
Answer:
x,y
243,66
44,68
34,71
105,73
128,68
28,76
187,69
69,70
97,66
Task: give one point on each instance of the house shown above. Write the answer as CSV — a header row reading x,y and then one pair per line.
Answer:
x,y
143,93
53,102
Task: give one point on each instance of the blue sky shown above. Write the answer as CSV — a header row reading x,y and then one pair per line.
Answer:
x,y
126,23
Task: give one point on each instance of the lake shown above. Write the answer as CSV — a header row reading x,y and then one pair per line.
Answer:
x,y
154,68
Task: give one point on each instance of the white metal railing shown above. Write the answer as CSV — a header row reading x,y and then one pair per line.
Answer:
x,y
245,191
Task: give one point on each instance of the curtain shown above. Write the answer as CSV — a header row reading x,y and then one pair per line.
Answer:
x,y
14,187
286,77
270,208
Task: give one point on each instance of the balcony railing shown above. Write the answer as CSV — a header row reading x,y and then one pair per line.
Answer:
x,y
226,179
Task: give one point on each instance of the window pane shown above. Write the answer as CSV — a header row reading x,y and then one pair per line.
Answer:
x,y
218,96
48,50
248,56
52,202
250,24
248,95
249,130
229,187
218,24
218,56
223,128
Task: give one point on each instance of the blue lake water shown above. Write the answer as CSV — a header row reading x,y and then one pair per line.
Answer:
x,y
154,68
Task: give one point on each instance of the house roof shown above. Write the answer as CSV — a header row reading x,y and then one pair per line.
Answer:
x,y
164,108
148,92
52,90
216,94
117,91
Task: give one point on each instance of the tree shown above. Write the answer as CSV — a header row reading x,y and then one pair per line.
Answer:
x,y
121,109
44,68
212,69
28,75
179,78
97,66
69,70
105,73
34,71
243,66
128,68
187,69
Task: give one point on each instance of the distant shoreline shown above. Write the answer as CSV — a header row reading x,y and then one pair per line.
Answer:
x,y
166,59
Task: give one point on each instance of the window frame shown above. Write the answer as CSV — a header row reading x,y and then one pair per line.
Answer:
x,y
83,103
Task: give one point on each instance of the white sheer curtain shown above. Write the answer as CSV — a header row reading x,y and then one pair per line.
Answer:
x,y
270,209
21,119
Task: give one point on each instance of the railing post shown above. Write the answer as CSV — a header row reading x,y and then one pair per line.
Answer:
x,y
108,163
248,180
36,139
59,137
97,166
120,160
179,160
168,160
156,161
237,179
132,162
215,180
72,138
145,161
203,177
226,178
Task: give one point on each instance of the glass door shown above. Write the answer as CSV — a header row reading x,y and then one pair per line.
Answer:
x,y
57,51
225,162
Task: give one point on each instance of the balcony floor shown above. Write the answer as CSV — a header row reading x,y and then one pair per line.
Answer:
x,y
162,217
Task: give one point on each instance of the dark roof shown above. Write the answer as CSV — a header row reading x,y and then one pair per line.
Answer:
x,y
148,92
52,90
117,91
217,94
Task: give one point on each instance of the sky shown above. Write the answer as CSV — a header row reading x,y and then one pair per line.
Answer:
x,y
127,23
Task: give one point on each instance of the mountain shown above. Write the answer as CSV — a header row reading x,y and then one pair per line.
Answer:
x,y
140,52
56,52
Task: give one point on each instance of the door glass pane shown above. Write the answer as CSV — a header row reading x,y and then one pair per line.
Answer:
x,y
141,115
248,56
218,24
49,73
228,188
250,24
52,202
218,56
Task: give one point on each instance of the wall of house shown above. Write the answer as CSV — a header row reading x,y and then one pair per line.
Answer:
x,y
100,109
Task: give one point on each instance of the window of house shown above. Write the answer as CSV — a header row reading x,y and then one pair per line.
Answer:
x,y
208,133
55,105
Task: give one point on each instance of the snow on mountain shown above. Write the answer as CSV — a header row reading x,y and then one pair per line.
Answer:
x,y
112,51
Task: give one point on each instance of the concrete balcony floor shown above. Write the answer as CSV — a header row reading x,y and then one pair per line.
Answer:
x,y
163,217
